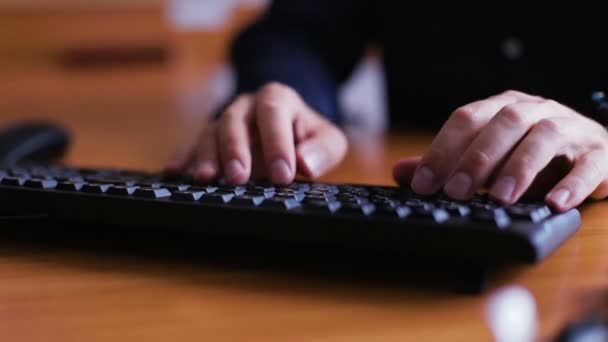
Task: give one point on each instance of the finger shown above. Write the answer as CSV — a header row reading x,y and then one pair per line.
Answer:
x,y
404,169
529,158
452,140
275,115
589,171
180,160
205,165
234,141
321,151
493,144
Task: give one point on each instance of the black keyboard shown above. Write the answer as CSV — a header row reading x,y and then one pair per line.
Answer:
x,y
364,217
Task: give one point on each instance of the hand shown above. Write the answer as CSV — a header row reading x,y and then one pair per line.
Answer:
x,y
508,142
268,134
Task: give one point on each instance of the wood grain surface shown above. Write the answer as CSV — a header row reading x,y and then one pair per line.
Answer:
x,y
133,117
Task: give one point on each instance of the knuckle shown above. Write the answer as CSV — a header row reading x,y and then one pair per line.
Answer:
x,y
434,156
512,116
275,89
522,167
230,144
512,93
269,105
479,159
549,103
242,97
226,140
464,116
548,125
232,151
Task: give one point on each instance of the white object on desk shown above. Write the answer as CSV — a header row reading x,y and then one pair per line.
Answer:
x,y
511,314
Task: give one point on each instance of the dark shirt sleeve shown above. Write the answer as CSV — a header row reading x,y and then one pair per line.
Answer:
x,y
309,45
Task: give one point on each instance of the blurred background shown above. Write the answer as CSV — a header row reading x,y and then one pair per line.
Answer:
x,y
110,68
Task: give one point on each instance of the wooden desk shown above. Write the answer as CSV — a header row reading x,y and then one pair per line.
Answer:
x,y
133,119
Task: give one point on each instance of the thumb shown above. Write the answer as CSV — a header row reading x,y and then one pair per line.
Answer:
x,y
403,172
321,151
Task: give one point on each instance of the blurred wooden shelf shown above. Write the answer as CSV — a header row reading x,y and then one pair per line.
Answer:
x,y
70,32
37,36
37,5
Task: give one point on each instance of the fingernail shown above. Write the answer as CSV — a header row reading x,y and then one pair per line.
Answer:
x,y
560,197
503,189
313,160
459,186
233,170
206,169
423,181
279,172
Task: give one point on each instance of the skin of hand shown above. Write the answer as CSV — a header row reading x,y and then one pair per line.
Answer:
x,y
271,134
508,143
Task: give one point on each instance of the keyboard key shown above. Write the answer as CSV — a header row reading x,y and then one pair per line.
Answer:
x,y
530,213
458,210
70,186
40,173
40,183
260,193
325,188
438,215
232,189
152,185
315,193
346,196
254,188
322,205
235,192
289,192
70,178
95,188
121,190
217,198
393,211
315,198
354,208
187,195
176,187
19,172
151,193
297,198
498,217
13,181
247,200
281,202
206,188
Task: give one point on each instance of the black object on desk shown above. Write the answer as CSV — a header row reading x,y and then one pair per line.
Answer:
x,y
357,217
33,141
348,215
